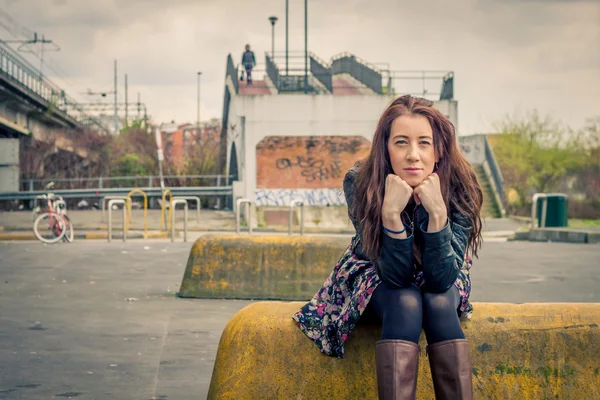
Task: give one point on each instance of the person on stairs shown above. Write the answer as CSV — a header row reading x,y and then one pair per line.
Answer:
x,y
248,61
415,203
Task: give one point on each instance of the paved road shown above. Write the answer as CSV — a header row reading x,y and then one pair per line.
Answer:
x,y
210,220
93,320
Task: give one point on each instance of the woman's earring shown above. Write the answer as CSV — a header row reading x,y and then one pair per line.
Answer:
x,y
435,166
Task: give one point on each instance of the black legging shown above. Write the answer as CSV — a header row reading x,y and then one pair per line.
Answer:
x,y
404,312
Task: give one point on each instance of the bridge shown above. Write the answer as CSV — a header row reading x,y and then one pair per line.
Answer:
x,y
32,105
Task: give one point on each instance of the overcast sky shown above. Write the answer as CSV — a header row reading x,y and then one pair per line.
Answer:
x,y
508,56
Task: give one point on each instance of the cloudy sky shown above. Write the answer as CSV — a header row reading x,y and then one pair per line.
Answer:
x,y
508,56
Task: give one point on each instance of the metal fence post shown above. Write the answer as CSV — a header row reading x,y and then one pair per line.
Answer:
x,y
248,203
110,204
174,202
108,198
301,205
218,198
197,199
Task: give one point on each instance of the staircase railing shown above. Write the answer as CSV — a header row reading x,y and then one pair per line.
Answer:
x,y
322,72
272,71
493,171
362,71
232,73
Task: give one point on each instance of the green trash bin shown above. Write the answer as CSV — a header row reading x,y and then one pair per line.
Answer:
x,y
556,210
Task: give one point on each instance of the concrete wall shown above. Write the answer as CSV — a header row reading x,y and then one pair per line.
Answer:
x,y
9,165
473,148
252,118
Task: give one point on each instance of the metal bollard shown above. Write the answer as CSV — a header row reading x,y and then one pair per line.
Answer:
x,y
248,203
174,202
301,205
110,204
197,204
109,198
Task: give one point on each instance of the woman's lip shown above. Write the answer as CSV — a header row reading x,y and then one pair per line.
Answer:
x,y
413,171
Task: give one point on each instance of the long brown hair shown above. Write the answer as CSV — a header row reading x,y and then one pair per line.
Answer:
x,y
460,189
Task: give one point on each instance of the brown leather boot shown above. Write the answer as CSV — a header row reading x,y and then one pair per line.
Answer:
x,y
397,369
450,363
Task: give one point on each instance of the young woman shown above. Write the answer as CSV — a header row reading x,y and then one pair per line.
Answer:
x,y
415,204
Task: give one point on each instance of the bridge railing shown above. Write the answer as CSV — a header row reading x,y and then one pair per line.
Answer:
x,y
17,71
127,181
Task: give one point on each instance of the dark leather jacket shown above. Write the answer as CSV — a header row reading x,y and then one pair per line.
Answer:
x,y
442,252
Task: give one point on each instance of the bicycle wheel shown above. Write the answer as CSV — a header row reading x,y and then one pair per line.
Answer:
x,y
49,228
69,235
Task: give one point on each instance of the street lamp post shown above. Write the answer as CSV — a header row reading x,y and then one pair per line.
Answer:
x,y
287,72
305,46
198,104
273,20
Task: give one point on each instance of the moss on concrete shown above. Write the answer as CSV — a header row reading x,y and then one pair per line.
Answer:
x,y
527,351
259,267
537,351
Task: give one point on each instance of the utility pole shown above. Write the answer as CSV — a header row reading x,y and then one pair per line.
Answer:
x,y
305,46
126,104
198,104
116,115
273,20
287,72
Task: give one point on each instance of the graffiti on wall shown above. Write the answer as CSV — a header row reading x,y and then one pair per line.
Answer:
x,y
310,197
312,169
307,162
473,148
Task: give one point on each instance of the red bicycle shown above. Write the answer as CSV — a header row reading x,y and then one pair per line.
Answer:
x,y
53,224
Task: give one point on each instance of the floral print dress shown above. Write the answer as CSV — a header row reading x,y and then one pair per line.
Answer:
x,y
329,317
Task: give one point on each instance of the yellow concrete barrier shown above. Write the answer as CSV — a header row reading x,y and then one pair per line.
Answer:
x,y
260,267
519,351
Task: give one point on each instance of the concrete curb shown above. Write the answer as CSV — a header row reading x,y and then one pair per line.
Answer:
x,y
558,235
101,235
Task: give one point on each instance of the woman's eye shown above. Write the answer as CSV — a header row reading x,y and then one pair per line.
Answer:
x,y
401,142
424,142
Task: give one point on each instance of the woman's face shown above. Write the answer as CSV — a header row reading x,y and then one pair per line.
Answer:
x,y
411,150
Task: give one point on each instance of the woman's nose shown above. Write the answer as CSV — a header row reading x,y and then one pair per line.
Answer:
x,y
413,153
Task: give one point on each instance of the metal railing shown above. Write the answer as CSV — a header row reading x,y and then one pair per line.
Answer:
x,y
109,181
495,170
248,203
377,77
197,199
105,198
17,71
232,73
110,204
301,205
272,71
430,84
322,72
138,191
174,202
362,71
99,193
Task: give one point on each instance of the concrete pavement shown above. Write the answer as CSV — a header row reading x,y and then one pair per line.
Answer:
x,y
18,225
93,320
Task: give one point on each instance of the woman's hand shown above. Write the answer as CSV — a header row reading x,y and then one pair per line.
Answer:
x,y
429,194
397,195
